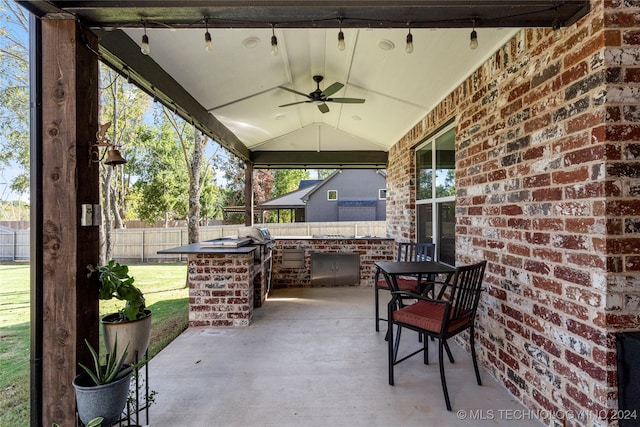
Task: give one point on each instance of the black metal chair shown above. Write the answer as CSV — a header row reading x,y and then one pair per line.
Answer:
x,y
407,251
451,312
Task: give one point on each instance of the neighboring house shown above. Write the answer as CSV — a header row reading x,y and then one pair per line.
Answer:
x,y
345,195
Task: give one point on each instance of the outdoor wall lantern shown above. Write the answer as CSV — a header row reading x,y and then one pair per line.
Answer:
x,y
112,154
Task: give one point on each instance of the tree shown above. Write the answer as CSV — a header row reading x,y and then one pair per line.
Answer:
x,y
14,94
286,181
161,183
124,106
233,193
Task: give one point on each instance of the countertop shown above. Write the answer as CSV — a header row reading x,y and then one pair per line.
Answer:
x,y
331,237
197,248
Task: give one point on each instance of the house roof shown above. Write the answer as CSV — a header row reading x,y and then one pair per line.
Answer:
x,y
289,200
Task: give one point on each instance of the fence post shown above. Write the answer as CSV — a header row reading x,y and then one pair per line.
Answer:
x,y
142,252
15,244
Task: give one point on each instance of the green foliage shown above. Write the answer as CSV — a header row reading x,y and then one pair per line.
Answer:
x,y
115,282
163,283
287,180
111,371
14,93
95,422
161,190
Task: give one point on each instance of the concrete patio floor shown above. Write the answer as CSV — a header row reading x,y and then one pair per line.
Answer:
x,y
311,357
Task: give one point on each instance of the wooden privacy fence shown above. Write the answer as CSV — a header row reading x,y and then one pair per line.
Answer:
x,y
142,244
14,244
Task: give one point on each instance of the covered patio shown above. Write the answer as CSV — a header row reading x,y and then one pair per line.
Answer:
x,y
311,357
546,148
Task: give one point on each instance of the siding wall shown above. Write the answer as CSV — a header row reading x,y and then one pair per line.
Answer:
x,y
547,171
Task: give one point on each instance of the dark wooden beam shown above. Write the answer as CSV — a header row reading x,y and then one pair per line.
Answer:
x,y
319,159
318,14
69,179
123,54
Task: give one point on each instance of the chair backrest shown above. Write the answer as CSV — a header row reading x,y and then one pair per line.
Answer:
x,y
465,291
412,252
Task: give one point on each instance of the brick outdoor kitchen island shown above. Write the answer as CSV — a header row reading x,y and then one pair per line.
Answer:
x,y
225,283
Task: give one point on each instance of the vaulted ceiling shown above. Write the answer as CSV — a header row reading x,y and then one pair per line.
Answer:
x,y
234,91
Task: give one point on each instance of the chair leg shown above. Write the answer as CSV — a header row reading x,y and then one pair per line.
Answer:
x,y
397,344
443,380
473,355
390,351
425,346
446,347
377,298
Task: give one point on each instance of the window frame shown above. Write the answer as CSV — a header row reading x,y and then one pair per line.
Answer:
x,y
329,198
434,201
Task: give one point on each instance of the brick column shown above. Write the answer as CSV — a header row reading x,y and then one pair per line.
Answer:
x,y
220,289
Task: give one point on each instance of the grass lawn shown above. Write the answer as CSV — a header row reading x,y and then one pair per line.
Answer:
x,y
166,296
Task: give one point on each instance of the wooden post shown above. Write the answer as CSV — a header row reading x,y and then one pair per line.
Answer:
x,y
248,193
69,179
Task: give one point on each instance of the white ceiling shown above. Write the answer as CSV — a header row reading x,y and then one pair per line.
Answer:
x,y
238,81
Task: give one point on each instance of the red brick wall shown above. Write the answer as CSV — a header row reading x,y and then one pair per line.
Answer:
x,y
548,179
221,289
370,251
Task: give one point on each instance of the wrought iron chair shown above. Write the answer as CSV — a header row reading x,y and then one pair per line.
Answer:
x,y
451,312
406,252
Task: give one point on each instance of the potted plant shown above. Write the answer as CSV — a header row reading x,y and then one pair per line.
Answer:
x,y
102,392
132,323
95,422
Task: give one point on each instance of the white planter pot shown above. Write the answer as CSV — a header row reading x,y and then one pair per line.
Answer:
x,y
135,333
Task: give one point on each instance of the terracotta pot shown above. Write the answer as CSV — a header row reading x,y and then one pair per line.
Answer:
x,y
135,333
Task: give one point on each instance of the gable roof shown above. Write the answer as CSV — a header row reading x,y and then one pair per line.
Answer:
x,y
289,200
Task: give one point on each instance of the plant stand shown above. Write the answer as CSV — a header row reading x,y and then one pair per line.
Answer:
x,y
140,398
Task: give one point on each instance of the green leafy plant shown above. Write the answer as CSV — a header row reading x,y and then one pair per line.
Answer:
x,y
111,371
95,422
115,282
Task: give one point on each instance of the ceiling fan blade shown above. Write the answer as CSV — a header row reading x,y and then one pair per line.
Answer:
x,y
346,100
332,89
293,103
323,108
295,91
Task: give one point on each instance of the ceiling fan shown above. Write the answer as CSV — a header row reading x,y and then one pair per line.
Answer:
x,y
320,97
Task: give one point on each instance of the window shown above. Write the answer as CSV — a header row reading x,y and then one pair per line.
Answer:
x,y
332,194
435,193
382,194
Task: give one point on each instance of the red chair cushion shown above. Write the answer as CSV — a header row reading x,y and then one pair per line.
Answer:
x,y
403,284
427,315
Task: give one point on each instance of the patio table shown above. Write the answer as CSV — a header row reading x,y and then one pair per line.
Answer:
x,y
392,269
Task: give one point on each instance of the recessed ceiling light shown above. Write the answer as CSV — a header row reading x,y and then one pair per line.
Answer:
x,y
250,42
385,44
356,117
